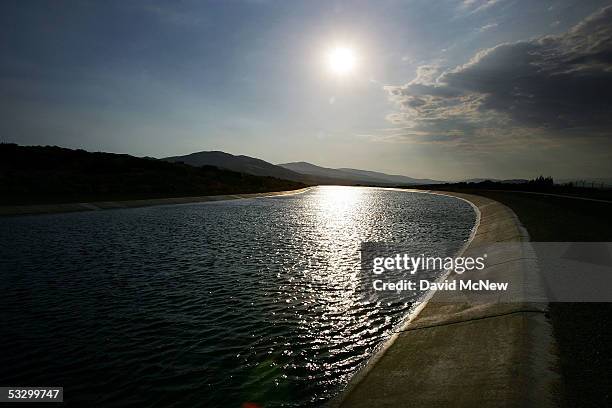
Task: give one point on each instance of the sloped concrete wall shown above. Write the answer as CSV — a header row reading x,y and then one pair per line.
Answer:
x,y
463,352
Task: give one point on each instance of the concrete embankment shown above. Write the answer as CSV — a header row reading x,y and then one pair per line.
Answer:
x,y
106,205
458,351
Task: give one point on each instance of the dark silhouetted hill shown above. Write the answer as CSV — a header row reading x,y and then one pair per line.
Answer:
x,y
299,171
388,178
354,176
242,164
258,167
50,174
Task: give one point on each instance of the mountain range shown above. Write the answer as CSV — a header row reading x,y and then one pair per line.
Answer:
x,y
505,181
298,171
354,175
242,164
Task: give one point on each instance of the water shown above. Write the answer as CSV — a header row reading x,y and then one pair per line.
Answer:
x,y
214,304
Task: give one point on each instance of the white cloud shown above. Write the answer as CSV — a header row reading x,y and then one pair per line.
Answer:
x,y
551,84
476,6
487,27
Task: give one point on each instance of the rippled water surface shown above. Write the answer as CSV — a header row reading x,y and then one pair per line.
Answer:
x,y
212,304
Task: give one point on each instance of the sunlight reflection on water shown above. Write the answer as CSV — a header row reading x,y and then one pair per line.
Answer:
x,y
217,304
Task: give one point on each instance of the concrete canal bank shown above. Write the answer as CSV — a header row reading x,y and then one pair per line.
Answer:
x,y
458,351
106,205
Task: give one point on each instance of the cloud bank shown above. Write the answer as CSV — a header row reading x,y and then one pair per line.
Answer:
x,y
557,85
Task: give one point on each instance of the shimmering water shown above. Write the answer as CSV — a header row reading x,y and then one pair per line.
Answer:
x,y
213,304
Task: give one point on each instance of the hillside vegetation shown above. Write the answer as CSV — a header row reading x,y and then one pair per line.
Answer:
x,y
50,174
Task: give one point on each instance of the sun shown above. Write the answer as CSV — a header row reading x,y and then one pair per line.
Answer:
x,y
341,60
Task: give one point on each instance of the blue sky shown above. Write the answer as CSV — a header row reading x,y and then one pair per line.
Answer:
x,y
434,92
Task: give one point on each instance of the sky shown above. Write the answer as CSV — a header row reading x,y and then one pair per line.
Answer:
x,y
440,89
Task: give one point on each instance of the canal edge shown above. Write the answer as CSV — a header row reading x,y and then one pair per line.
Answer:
x,y
530,346
36,209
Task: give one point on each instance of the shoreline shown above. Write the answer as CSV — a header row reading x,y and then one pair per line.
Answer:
x,y
508,354
360,375
37,209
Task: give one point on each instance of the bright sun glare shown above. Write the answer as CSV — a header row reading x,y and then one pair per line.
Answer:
x,y
341,60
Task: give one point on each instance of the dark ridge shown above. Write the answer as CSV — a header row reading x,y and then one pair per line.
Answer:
x,y
242,164
51,174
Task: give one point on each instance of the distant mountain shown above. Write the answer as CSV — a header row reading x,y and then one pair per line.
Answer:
x,y
508,181
311,169
393,178
354,176
300,171
242,164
